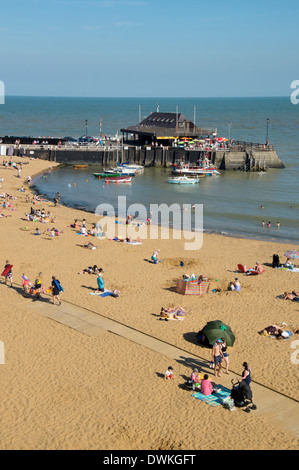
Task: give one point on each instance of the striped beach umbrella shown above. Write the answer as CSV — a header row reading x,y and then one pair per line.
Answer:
x,y
292,254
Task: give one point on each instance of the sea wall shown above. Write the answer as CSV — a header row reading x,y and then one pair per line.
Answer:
x,y
224,160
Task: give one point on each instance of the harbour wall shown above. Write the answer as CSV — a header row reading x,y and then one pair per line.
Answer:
x,y
223,160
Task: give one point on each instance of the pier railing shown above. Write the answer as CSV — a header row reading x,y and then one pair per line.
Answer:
x,y
241,146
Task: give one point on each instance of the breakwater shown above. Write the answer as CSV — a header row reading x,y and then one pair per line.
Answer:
x,y
247,158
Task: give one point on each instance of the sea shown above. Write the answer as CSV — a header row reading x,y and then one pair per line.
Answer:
x,y
235,203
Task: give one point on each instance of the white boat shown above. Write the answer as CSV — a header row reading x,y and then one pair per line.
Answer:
x,y
133,166
119,179
125,170
121,170
183,180
186,169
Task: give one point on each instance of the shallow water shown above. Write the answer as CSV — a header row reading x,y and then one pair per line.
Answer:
x,y
231,201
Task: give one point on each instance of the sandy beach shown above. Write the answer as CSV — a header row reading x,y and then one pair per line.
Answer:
x,y
62,389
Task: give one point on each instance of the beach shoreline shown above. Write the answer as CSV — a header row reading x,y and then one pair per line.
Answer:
x,y
66,390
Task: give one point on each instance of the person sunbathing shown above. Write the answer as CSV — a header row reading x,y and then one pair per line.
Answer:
x,y
90,270
89,246
178,311
294,296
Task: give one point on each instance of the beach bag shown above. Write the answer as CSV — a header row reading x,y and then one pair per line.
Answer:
x,y
190,385
275,261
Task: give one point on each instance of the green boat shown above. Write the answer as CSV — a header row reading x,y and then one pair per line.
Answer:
x,y
105,175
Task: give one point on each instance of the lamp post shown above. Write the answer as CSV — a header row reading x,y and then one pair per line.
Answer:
x,y
86,122
267,131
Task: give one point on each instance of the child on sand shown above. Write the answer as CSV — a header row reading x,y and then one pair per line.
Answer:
x,y
169,373
155,256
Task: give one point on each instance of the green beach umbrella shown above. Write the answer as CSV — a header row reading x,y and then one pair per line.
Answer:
x,y
217,329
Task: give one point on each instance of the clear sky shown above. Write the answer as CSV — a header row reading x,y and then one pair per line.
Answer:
x,y
149,48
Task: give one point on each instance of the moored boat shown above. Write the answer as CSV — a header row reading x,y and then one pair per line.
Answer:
x,y
80,166
119,179
106,175
187,169
183,180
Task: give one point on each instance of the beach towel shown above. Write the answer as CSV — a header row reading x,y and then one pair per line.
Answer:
x,y
106,293
133,243
294,270
7,269
215,399
59,287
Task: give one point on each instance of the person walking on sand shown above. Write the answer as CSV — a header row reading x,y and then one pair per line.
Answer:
x,y
7,272
56,289
217,356
38,284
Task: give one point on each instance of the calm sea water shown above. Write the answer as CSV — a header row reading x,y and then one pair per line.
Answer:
x,y
231,202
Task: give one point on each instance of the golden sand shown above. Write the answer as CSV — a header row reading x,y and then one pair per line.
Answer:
x,y
62,389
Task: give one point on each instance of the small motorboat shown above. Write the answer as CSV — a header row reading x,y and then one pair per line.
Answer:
x,y
78,167
183,180
133,166
106,175
119,179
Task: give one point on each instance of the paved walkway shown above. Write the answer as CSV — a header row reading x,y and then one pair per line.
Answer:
x,y
277,408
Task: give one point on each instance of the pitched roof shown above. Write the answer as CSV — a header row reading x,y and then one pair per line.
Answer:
x,y
165,124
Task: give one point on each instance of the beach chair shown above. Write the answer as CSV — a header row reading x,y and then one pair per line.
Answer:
x,y
241,268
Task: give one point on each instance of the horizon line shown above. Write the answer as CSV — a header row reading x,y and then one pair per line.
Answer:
x,y
145,97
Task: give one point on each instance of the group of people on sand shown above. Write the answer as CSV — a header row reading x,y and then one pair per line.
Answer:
x,y
206,386
235,286
37,287
219,354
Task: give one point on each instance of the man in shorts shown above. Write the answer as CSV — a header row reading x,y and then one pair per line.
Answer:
x,y
217,357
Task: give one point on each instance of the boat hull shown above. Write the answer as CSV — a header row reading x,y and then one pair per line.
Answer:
x,y
119,179
105,175
183,180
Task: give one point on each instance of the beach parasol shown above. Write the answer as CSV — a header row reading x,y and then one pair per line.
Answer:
x,y
292,254
217,329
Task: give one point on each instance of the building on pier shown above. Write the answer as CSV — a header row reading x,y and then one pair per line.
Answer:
x,y
164,128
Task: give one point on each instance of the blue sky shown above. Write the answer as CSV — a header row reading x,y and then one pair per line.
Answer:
x,y
149,48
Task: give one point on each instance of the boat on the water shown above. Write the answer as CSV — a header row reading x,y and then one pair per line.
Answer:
x,y
123,171
106,175
187,169
183,180
119,179
133,166
77,167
